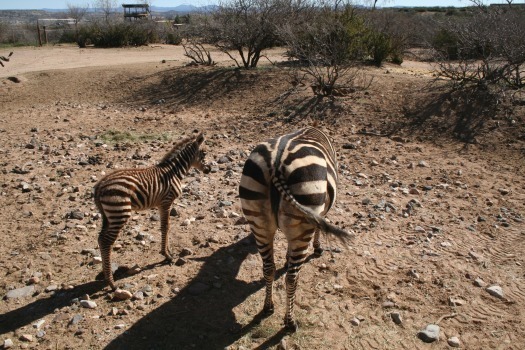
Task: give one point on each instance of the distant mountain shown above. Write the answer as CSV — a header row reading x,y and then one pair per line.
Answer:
x,y
185,8
180,9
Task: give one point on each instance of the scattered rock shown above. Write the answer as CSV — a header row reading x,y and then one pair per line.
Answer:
x,y
355,321
429,334
40,334
185,252
21,292
389,304
39,324
180,262
454,342
122,294
478,282
223,160
26,338
138,295
76,215
495,291
76,319
396,317
88,304
414,191
474,255
454,301
504,191
8,343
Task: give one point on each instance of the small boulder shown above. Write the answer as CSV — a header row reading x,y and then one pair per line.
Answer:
x,y
429,334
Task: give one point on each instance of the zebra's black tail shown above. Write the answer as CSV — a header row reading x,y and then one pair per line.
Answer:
x,y
312,217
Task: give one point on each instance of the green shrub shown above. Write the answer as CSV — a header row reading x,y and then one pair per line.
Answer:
x,y
67,36
117,34
173,38
446,43
379,47
397,58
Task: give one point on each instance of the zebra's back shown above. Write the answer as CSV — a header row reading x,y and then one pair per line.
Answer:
x,y
141,188
305,163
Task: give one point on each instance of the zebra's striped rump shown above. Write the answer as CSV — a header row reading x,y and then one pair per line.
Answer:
x,y
290,183
122,191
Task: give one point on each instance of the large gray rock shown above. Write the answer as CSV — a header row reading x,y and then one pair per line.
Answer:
x,y
21,292
429,334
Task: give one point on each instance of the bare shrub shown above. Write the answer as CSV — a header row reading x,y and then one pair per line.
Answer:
x,y
246,27
327,43
196,51
388,35
489,48
5,59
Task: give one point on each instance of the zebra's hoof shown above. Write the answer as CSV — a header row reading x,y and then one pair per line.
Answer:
x,y
291,326
268,310
168,261
168,256
318,251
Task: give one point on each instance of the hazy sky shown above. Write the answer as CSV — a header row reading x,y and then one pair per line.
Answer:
x,y
57,4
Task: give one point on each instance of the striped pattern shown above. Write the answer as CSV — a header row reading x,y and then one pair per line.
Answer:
x,y
290,183
122,191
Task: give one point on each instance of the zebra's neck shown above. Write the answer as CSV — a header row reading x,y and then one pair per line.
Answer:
x,y
180,163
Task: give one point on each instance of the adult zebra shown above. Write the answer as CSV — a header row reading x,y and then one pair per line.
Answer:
x,y
122,191
300,168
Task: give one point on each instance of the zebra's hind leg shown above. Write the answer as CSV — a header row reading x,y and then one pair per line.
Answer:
x,y
108,235
164,212
318,250
298,251
265,247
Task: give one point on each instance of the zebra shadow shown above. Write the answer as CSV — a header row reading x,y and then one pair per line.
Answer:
x,y
201,315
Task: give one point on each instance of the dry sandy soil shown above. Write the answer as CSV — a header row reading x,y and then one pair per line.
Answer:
x,y
438,220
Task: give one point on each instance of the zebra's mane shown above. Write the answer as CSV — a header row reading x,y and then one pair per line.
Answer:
x,y
177,149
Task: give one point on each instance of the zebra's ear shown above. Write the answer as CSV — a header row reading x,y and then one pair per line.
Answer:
x,y
200,138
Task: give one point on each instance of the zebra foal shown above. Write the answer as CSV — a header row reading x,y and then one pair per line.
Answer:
x,y
290,182
122,191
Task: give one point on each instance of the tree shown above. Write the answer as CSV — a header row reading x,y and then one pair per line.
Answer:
x,y
327,41
247,27
77,13
106,6
373,3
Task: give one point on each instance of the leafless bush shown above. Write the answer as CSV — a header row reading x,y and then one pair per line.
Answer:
x,y
489,46
327,46
388,35
5,59
196,51
246,27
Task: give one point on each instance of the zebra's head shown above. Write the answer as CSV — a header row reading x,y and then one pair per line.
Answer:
x,y
199,161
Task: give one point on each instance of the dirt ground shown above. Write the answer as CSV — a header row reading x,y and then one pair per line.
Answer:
x,y
439,221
